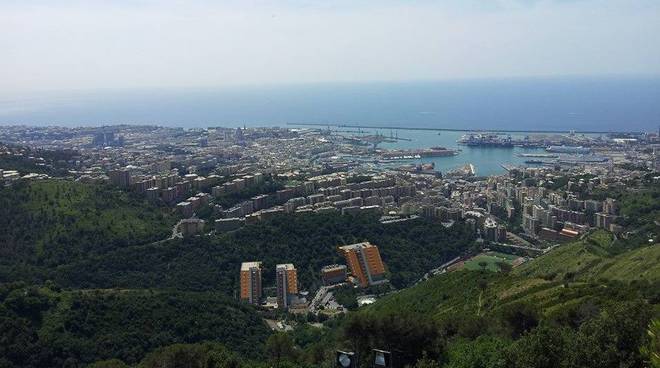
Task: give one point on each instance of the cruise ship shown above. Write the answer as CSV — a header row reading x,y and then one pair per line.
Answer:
x,y
569,149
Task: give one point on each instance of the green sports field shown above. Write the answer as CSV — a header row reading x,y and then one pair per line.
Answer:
x,y
491,259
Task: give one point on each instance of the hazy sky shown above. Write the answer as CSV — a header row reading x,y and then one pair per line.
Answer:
x,y
94,44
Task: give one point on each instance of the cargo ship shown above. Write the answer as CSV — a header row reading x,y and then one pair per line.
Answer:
x,y
417,153
538,155
569,149
571,160
486,140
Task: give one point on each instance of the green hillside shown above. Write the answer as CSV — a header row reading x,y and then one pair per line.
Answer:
x,y
126,292
582,289
542,280
43,326
84,277
593,258
46,223
466,319
309,241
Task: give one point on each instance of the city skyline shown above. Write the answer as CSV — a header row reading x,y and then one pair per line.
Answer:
x,y
350,183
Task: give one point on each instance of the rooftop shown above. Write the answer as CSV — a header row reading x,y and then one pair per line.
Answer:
x,y
356,246
246,266
286,266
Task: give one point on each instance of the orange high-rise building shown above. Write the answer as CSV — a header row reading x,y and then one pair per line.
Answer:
x,y
251,282
287,284
365,263
333,274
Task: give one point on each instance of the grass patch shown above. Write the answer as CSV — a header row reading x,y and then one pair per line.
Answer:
x,y
489,261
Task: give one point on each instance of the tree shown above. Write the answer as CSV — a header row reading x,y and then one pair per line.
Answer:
x,y
519,318
484,352
279,346
425,362
113,363
206,355
410,335
504,267
614,338
651,350
357,331
223,358
568,277
545,347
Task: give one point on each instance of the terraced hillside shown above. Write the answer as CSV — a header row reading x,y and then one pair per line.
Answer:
x,y
564,275
572,307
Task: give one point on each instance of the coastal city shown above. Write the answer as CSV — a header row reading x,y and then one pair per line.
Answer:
x,y
330,184
218,180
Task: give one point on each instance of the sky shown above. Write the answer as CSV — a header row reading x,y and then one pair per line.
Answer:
x,y
48,45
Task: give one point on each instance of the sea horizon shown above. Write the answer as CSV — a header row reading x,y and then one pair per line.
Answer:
x,y
559,104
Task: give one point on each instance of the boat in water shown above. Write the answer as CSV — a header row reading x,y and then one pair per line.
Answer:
x,y
486,140
417,153
569,149
538,155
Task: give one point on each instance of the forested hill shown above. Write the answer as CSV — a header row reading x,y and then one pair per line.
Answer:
x,y
580,305
47,327
86,272
409,250
86,275
94,236
48,223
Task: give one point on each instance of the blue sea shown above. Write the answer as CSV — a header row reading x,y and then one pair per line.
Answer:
x,y
582,104
541,104
486,160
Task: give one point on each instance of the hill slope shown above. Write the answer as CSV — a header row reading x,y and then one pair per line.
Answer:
x,y
580,305
309,241
46,223
43,325
582,264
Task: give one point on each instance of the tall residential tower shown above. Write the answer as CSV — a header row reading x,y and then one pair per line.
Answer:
x,y
251,282
365,263
287,284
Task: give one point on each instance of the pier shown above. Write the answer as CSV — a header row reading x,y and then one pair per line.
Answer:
x,y
460,130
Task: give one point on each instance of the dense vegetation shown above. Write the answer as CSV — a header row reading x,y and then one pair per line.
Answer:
x,y
409,249
106,248
48,223
46,327
578,306
122,296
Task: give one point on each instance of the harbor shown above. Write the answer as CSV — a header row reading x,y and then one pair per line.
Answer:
x,y
452,151
484,160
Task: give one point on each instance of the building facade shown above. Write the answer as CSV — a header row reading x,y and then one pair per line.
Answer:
x,y
287,284
251,282
333,274
365,263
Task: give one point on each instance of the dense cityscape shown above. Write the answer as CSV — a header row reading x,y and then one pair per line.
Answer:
x,y
330,184
216,182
